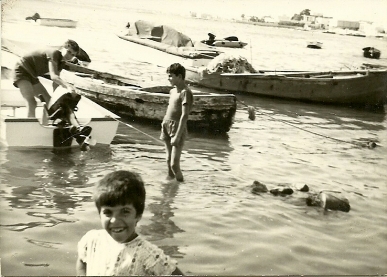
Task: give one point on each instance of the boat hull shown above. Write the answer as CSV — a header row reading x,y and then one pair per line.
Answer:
x,y
314,45
189,56
214,112
358,88
57,22
18,130
229,44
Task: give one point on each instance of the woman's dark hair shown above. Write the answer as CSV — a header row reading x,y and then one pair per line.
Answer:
x,y
72,44
120,187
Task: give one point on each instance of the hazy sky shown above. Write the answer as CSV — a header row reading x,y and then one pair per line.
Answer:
x,y
373,10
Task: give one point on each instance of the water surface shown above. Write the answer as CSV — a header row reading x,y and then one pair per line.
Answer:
x,y
212,223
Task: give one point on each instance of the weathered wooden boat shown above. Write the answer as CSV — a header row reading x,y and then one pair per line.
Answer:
x,y
353,88
18,130
211,111
314,44
166,39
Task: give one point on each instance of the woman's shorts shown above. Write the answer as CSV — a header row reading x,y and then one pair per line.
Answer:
x,y
20,73
169,129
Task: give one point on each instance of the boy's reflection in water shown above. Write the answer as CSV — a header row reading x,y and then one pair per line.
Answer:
x,y
162,226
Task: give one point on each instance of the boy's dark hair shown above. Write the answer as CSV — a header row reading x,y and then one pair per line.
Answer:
x,y
120,187
177,69
72,44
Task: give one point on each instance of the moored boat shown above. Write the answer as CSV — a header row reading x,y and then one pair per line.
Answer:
x,y
21,131
371,52
352,88
212,111
314,44
166,39
229,43
54,22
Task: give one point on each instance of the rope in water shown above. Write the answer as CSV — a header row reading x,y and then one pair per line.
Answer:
x,y
251,109
185,152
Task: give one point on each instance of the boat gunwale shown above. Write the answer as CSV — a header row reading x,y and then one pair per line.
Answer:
x,y
135,88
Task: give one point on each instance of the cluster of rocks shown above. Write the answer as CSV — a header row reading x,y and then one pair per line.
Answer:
x,y
321,199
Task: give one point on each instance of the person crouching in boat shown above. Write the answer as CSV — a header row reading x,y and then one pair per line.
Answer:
x,y
211,39
38,63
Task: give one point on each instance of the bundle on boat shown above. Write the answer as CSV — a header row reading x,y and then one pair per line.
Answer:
x,y
228,63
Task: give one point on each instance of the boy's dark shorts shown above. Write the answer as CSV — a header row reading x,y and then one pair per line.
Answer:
x,y
169,129
20,73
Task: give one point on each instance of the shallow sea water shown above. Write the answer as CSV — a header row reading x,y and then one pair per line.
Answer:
x,y
212,223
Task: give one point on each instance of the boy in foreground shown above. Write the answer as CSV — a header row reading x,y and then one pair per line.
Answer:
x,y
174,125
117,249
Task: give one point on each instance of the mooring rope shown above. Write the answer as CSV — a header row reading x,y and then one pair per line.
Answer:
x,y
251,109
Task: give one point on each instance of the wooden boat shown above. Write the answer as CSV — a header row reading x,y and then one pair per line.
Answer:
x,y
166,39
54,22
18,130
353,88
314,44
212,111
57,22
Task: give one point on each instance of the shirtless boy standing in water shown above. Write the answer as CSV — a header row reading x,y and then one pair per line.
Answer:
x,y
174,125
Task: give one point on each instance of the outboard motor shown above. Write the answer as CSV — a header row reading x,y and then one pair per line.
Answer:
x,y
60,110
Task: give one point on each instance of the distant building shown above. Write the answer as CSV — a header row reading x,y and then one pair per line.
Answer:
x,y
317,21
351,25
269,19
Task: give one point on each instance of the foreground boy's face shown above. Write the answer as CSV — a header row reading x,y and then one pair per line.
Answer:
x,y
120,222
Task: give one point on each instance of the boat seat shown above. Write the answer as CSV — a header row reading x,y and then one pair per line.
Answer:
x,y
12,106
154,38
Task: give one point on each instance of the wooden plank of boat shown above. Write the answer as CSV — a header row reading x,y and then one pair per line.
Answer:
x,y
57,22
212,111
354,88
105,76
18,130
